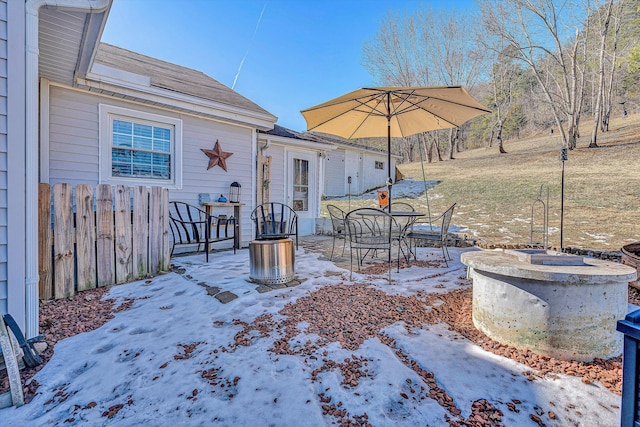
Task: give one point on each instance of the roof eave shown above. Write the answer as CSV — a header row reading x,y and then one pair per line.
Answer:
x,y
296,142
145,93
94,27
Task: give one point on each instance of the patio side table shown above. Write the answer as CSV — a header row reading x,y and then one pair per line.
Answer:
x,y
237,213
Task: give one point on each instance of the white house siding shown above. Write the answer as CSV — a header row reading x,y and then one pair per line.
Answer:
x,y
335,179
3,156
74,153
277,187
74,149
372,177
353,169
360,166
199,133
12,160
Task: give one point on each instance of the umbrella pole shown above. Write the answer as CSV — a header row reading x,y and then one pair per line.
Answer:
x,y
389,179
424,181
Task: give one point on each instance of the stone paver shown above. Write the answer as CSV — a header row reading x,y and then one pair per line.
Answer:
x,y
226,296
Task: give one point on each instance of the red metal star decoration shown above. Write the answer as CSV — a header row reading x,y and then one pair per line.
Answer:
x,y
217,156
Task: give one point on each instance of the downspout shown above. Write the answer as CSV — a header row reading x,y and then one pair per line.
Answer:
x,y
32,8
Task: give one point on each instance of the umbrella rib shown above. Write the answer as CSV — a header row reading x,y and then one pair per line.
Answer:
x,y
369,111
368,97
399,112
404,96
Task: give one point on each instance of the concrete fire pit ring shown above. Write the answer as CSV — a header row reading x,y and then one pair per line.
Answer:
x,y
567,312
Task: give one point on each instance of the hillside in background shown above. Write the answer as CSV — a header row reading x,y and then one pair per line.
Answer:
x,y
495,192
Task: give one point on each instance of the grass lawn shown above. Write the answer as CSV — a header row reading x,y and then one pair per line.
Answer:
x,y
495,192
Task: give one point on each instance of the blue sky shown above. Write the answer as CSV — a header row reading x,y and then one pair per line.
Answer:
x,y
297,53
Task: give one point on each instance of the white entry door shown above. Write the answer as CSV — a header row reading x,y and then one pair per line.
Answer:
x,y
301,189
353,168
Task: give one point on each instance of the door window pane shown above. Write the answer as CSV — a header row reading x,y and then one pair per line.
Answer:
x,y
300,185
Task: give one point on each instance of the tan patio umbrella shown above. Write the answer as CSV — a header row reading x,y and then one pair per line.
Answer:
x,y
393,112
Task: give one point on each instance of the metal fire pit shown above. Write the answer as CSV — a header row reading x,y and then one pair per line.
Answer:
x,y
272,262
631,257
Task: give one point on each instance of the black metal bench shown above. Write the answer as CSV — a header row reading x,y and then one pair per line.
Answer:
x,y
191,225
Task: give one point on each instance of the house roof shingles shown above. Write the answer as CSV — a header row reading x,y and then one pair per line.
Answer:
x,y
322,138
176,78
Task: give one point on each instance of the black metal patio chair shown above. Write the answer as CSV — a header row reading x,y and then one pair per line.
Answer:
x,y
438,236
338,227
369,230
275,220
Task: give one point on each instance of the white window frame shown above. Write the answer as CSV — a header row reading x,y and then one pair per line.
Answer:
x,y
110,112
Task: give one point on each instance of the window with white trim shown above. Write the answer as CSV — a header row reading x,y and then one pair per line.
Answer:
x,y
379,165
139,147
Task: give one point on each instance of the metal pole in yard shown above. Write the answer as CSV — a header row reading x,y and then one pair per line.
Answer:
x,y
349,182
563,158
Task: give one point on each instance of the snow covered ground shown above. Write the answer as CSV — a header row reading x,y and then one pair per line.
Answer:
x,y
173,359
409,188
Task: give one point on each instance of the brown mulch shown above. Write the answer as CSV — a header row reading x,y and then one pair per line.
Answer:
x,y
64,318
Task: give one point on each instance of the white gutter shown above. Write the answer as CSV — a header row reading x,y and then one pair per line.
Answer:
x,y
32,8
295,142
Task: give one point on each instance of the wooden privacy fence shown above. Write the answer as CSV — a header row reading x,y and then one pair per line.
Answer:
x,y
101,240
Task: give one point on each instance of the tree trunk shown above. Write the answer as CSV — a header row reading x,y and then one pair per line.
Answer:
x,y
451,145
501,149
597,114
608,94
422,140
434,146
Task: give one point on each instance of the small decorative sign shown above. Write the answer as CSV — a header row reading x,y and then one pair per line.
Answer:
x,y
217,157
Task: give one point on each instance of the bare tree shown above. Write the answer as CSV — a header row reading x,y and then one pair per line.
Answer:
x,y
597,114
456,57
608,93
423,49
391,57
503,79
537,29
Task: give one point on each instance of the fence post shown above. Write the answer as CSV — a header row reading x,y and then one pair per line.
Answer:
x,y
85,237
123,242
45,242
63,241
155,230
165,261
140,231
104,231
